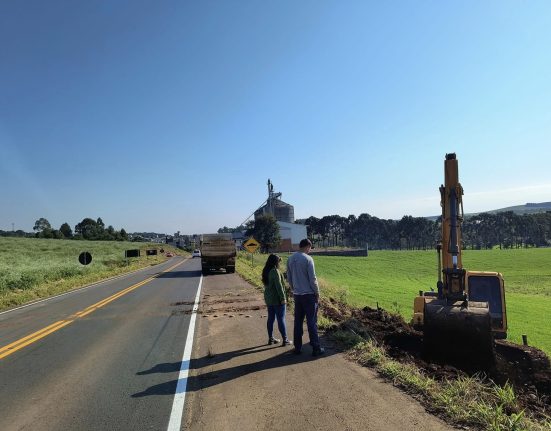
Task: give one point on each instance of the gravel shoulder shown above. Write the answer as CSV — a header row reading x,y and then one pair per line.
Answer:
x,y
237,381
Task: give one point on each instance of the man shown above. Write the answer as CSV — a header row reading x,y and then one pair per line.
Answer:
x,y
301,276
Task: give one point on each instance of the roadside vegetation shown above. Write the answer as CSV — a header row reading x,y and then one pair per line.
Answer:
x,y
390,280
467,401
34,268
88,228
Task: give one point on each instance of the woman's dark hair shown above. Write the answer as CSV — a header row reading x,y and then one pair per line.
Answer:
x,y
272,262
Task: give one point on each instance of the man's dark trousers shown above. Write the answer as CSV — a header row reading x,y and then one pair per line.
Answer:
x,y
306,305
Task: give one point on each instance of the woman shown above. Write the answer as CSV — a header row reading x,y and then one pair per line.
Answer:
x,y
274,295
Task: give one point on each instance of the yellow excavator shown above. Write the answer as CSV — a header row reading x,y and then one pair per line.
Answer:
x,y
467,311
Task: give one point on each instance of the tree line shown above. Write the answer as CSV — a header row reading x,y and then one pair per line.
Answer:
x,y
480,231
88,229
485,230
365,230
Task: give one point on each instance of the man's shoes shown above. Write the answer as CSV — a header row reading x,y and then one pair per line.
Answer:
x,y
286,342
318,351
296,352
273,340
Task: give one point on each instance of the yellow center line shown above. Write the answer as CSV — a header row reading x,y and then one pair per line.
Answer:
x,y
35,336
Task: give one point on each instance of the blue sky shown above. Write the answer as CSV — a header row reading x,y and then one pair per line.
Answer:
x,y
172,115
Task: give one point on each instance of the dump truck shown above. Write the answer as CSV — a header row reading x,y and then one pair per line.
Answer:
x,y
217,252
467,311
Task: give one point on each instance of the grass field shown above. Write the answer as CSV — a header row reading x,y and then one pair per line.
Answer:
x,y
32,268
393,278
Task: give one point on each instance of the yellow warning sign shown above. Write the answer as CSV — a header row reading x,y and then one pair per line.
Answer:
x,y
251,245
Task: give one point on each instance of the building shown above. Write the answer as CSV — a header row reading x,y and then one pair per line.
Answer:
x,y
239,238
291,233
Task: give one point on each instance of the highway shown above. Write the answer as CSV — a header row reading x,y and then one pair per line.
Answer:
x,y
101,358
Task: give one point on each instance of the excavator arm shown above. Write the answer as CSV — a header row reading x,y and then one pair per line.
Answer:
x,y
452,216
456,320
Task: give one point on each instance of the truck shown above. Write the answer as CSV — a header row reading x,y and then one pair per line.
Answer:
x,y
217,252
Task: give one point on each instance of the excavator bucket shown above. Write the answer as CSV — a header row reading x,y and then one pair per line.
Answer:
x,y
459,333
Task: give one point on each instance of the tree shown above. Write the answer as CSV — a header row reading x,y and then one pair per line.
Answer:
x,y
312,227
226,229
100,230
110,233
266,231
57,234
95,230
332,229
65,229
46,233
88,229
41,224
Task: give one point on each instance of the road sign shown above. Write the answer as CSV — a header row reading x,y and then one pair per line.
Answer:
x,y
85,258
132,253
251,245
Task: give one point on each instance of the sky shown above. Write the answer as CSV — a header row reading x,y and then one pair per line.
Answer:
x,y
165,116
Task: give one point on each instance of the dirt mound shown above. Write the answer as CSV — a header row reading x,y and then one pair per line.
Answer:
x,y
526,368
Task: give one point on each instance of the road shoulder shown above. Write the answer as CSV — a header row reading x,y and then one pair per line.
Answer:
x,y
237,381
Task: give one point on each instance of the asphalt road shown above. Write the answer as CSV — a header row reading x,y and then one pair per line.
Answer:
x,y
102,358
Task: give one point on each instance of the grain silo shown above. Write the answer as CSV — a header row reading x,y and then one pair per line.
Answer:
x,y
275,206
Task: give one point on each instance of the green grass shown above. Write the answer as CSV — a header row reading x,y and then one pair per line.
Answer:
x,y
32,268
526,271
251,270
393,278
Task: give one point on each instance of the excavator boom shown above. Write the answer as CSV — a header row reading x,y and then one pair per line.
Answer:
x,y
456,320
452,215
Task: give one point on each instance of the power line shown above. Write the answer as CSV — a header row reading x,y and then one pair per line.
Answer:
x,y
247,219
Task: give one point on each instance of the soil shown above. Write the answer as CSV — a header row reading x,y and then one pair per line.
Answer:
x,y
526,368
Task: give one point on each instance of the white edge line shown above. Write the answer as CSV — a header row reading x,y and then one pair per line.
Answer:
x,y
115,277
176,414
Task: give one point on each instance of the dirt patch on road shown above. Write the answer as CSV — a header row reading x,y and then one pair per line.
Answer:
x,y
526,368
212,307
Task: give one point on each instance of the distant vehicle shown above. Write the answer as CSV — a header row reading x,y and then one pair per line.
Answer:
x,y
196,253
169,254
218,251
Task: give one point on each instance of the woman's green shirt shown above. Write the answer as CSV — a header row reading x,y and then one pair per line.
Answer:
x,y
274,292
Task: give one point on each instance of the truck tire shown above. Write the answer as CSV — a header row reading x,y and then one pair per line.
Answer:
x,y
205,271
230,269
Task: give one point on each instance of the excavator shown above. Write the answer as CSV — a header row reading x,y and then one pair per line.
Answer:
x,y
467,311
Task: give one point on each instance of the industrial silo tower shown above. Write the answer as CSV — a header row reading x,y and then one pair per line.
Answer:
x,y
282,211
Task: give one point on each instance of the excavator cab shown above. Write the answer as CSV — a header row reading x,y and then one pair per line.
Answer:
x,y
489,287
461,319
